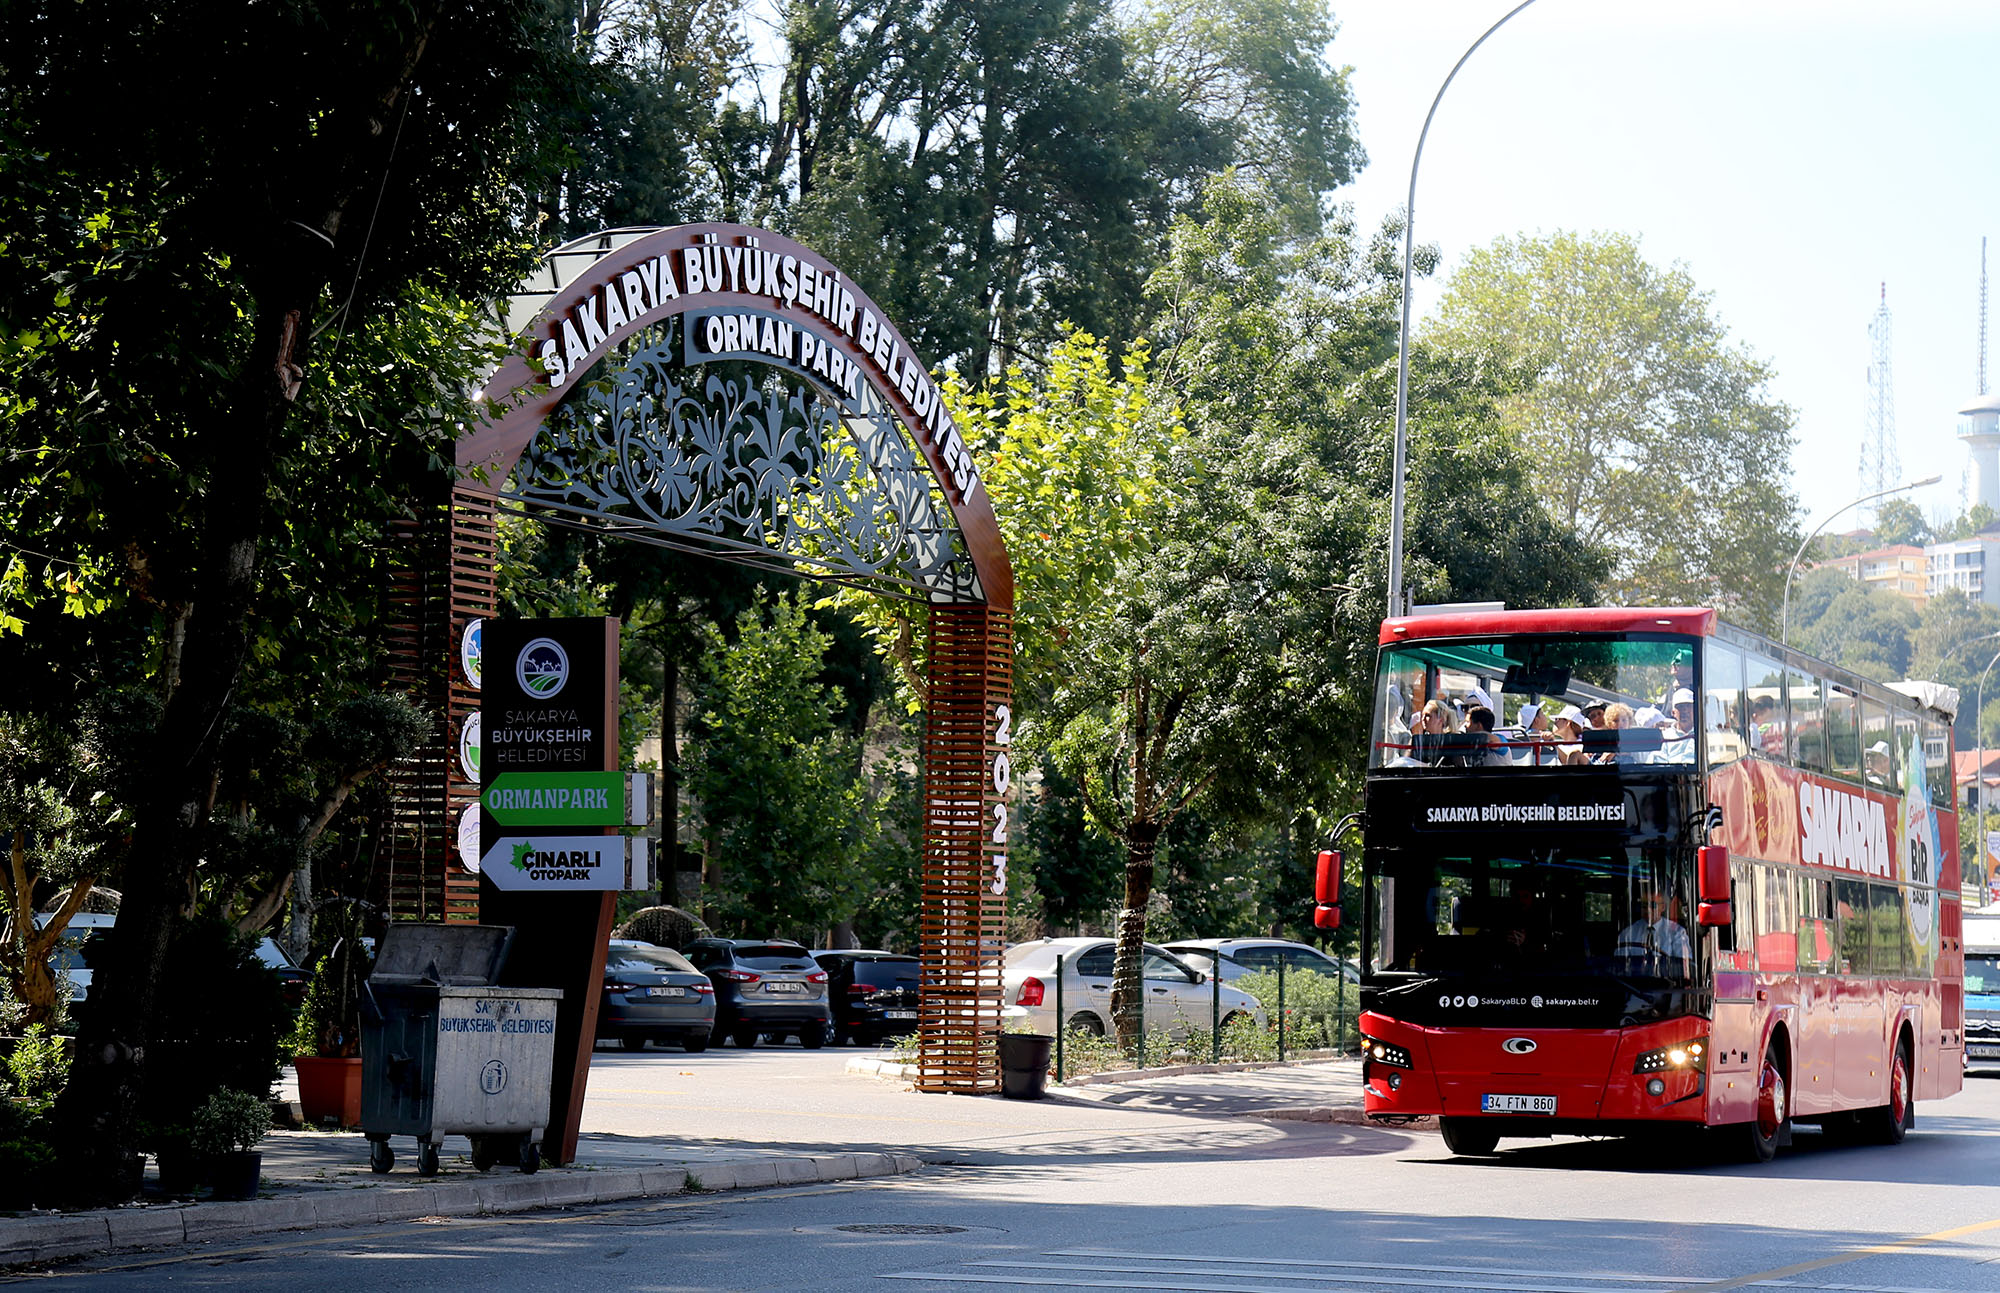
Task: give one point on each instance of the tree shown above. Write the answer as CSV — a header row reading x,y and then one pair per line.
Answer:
x,y
784,817
1196,540
1652,435
1978,519
210,309
1899,521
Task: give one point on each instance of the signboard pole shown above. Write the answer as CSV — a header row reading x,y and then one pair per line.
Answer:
x,y
550,705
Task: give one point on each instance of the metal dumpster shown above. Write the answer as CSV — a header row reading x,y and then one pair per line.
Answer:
x,y
445,1052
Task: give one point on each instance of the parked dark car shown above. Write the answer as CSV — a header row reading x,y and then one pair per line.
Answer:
x,y
764,988
873,994
654,994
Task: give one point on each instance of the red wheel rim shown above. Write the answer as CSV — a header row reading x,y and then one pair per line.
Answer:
x,y
1770,1101
1899,1096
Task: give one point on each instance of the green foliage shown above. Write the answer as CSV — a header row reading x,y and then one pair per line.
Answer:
x,y
1977,520
784,814
1319,1012
1651,434
1898,521
198,1049
230,1122
38,1067
663,927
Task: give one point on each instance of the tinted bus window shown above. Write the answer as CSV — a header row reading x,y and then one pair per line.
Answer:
x,y
1857,935
1817,929
1881,761
1723,672
1843,732
1764,699
1807,722
1777,926
1937,773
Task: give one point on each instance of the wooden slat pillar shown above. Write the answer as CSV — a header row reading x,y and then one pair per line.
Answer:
x,y
445,583
967,770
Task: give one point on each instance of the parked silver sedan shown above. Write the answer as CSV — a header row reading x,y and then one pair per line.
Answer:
x,y
1241,956
1177,996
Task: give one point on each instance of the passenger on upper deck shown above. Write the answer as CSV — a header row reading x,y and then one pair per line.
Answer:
x,y
1569,734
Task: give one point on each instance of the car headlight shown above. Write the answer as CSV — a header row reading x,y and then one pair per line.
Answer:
x,y
1381,1052
1687,1056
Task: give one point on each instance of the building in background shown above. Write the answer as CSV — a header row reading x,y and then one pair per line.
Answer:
x,y
1964,564
1900,569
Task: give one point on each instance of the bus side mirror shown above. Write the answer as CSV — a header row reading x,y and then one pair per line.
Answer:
x,y
1326,881
1712,884
1326,890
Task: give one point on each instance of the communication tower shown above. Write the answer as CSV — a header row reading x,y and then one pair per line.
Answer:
x,y
1880,469
1979,425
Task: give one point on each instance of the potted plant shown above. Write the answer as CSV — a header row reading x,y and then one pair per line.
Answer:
x,y
226,1130
326,1042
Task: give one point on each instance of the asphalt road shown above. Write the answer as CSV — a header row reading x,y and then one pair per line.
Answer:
x,y
1156,1196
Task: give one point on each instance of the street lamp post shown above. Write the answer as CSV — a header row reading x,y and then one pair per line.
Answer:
x,y
1396,606
1785,621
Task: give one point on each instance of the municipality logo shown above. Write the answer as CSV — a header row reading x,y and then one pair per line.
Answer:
x,y
542,668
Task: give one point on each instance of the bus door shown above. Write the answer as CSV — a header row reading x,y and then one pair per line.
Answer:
x,y
1859,1050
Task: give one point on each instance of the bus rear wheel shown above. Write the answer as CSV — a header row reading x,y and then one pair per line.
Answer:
x,y
1887,1124
1762,1134
1468,1136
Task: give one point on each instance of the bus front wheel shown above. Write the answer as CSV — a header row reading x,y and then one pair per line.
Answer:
x,y
1763,1133
1468,1137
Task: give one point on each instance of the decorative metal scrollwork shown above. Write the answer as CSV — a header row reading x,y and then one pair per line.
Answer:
x,y
750,461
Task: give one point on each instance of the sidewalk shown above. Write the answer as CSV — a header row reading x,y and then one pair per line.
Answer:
x,y
660,1125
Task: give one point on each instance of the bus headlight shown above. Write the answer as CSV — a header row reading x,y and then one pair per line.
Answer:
x,y
1688,1056
1382,1052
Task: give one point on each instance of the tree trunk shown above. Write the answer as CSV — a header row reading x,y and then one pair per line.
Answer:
x,y
97,1114
1128,980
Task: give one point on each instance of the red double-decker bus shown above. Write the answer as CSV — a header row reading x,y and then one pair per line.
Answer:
x,y
1633,869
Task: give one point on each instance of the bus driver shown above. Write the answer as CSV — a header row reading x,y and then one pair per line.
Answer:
x,y
1656,936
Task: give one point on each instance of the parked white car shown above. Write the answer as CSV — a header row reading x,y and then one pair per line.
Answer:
x,y
1241,956
1178,996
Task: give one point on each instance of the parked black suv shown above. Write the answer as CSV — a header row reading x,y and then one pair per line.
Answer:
x,y
764,988
874,994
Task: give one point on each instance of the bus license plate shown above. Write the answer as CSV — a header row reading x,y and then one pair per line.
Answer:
x,y
1517,1104
784,987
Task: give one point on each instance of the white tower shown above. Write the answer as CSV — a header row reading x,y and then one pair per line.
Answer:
x,y
1979,428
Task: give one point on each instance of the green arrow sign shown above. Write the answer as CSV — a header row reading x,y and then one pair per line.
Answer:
x,y
557,798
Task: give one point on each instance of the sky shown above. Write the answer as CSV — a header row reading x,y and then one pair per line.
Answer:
x,y
1793,157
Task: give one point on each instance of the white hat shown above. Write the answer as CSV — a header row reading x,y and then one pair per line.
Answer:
x,y
1475,696
1593,703
1528,715
1683,697
1573,714
1649,717
1881,748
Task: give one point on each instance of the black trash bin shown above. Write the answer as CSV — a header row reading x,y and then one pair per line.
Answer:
x,y
1024,1065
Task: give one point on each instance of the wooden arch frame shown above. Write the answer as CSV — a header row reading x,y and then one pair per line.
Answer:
x,y
638,280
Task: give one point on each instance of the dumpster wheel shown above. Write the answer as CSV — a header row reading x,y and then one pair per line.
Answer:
x,y
531,1155
380,1157
427,1158
483,1154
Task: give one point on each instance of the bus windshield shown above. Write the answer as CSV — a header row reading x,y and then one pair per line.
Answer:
x,y
1538,701
1532,910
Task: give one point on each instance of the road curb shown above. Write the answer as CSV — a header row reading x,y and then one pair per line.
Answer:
x,y
36,1239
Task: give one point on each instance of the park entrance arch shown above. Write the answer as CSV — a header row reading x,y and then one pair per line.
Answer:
x,y
722,389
